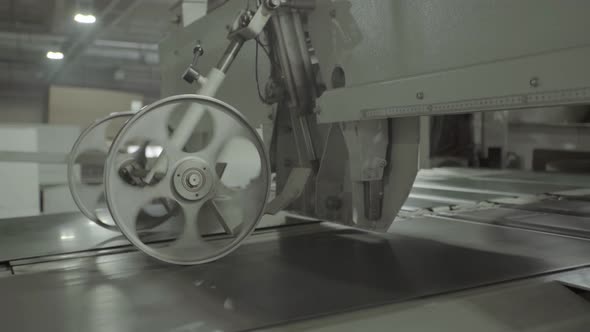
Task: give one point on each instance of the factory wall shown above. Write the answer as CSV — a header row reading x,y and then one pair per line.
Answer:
x,y
62,105
22,104
82,106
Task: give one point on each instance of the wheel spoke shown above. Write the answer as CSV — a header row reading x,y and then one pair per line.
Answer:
x,y
228,205
220,218
154,127
136,198
220,169
191,236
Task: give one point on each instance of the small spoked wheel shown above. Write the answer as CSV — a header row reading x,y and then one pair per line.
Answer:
x,y
86,165
204,161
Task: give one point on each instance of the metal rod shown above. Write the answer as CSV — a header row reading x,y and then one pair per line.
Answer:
x,y
230,54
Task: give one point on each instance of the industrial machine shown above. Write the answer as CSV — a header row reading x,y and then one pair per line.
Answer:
x,y
343,172
344,139
293,127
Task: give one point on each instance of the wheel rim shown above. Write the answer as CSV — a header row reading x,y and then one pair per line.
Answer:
x,y
87,188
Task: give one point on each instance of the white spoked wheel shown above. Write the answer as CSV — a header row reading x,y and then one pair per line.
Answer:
x,y
86,165
215,178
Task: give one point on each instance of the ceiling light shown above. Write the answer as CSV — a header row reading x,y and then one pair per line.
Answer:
x,y
55,55
85,18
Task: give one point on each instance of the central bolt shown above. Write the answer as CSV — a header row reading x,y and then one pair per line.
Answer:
x,y
194,180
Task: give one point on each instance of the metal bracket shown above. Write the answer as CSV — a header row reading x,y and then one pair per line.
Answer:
x,y
191,74
253,26
293,189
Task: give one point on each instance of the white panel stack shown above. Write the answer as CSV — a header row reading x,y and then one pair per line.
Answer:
x,y
19,182
23,183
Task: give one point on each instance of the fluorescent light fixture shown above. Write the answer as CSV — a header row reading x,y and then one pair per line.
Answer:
x,y
84,18
55,55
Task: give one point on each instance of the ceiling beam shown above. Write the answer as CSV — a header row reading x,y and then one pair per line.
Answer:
x,y
37,44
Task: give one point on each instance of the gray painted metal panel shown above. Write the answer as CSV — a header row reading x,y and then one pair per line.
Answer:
x,y
502,85
239,87
439,52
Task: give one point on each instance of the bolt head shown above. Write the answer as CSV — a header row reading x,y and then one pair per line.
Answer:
x,y
420,95
194,180
273,4
534,82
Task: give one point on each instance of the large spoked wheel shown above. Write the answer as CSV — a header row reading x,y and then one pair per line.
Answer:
x,y
86,164
215,177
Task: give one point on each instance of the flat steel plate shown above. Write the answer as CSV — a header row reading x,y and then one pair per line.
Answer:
x,y
542,177
534,219
51,235
426,198
280,277
66,233
490,186
562,206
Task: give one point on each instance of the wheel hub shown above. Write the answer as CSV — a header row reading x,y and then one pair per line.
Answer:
x,y
194,179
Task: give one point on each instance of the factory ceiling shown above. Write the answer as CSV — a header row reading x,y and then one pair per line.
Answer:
x,y
119,51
